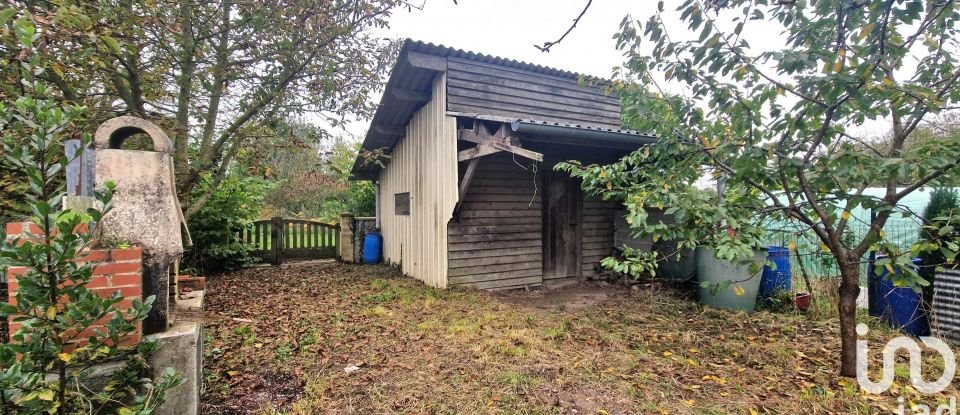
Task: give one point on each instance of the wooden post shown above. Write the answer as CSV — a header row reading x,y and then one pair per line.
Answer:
x,y
277,235
345,241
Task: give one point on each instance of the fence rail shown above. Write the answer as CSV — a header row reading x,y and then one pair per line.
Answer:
x,y
277,239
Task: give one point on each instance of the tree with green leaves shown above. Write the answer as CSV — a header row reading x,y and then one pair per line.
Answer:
x,y
778,124
44,368
208,72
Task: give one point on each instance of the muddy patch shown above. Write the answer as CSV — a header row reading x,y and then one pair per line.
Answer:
x,y
577,297
254,392
585,400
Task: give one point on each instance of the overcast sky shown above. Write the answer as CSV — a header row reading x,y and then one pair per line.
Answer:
x,y
510,28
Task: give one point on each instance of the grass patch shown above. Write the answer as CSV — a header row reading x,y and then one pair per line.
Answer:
x,y
425,350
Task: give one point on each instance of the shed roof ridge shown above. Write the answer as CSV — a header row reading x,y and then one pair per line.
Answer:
x,y
447,51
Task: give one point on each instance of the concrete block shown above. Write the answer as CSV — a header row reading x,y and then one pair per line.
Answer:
x,y
181,347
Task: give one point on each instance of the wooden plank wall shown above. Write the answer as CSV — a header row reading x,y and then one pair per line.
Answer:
x,y
424,163
597,233
497,242
483,88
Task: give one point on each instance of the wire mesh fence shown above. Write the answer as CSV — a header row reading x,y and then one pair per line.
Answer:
x,y
810,256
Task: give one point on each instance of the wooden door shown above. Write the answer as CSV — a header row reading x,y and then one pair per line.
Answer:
x,y
562,210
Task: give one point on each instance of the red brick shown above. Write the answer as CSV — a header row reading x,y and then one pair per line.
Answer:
x,y
126,254
14,272
124,291
95,255
117,268
98,281
14,228
121,280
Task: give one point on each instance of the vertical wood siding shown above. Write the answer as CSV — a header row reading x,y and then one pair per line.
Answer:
x,y
498,241
597,233
424,163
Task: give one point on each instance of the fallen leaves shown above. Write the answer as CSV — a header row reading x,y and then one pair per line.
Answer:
x,y
281,338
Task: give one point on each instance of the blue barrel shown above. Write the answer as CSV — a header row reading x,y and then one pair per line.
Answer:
x,y
372,247
777,280
900,307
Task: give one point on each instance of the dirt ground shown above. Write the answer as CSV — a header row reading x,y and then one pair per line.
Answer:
x,y
329,338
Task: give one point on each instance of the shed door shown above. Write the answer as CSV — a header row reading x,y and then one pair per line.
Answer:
x,y
561,226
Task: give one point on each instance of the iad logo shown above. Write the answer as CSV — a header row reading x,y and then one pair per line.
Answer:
x,y
916,372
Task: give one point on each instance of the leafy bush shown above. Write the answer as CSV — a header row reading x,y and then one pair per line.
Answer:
x,y
43,369
943,208
216,228
363,198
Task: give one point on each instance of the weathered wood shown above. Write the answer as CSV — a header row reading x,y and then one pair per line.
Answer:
x,y
496,276
526,99
494,252
561,227
498,269
498,220
474,246
531,91
471,105
487,144
500,205
494,237
493,229
476,152
495,260
504,284
468,69
469,214
500,197
465,184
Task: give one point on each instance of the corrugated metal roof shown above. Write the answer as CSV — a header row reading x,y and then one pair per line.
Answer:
x,y
588,127
446,51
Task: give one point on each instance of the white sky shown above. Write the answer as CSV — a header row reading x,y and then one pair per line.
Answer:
x,y
510,28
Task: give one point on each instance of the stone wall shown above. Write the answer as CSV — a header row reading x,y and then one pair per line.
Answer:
x,y
116,270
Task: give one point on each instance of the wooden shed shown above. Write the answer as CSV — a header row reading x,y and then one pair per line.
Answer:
x,y
467,195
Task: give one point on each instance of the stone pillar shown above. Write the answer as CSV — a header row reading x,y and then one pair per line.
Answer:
x,y
146,210
346,238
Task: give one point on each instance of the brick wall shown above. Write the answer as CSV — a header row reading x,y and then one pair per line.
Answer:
x,y
116,270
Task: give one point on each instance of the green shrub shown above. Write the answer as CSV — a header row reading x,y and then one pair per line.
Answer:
x,y
943,208
216,228
43,369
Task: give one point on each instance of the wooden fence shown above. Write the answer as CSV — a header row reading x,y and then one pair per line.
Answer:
x,y
278,239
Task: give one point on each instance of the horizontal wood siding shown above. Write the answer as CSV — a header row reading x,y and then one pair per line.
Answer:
x,y
497,243
476,87
597,233
423,164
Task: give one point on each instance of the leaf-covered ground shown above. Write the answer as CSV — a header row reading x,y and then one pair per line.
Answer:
x,y
278,340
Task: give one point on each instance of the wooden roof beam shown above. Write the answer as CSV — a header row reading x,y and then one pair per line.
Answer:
x,y
490,143
465,184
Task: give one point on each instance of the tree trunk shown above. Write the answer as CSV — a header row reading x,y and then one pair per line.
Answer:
x,y
849,291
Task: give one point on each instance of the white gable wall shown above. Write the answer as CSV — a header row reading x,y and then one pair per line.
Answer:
x,y
424,163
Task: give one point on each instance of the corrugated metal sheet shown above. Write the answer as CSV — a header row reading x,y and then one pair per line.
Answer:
x,y
424,164
946,305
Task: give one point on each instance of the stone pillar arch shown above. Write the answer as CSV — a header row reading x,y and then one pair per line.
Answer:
x,y
113,132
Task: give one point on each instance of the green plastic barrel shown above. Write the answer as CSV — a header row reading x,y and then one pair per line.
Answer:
x,y
741,295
